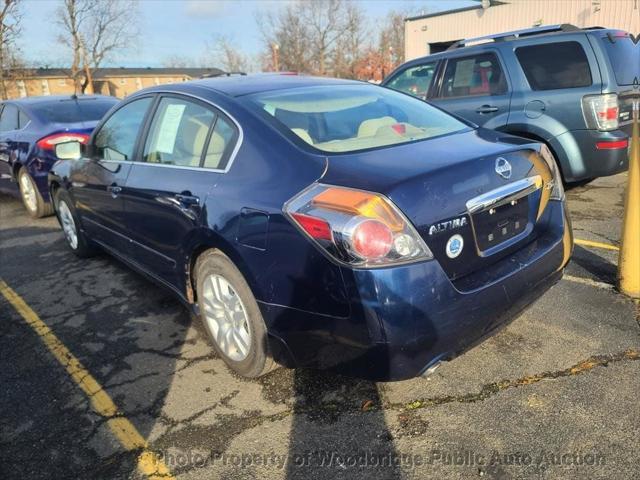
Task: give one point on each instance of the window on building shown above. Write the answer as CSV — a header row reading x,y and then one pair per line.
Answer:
x,y
553,66
45,87
62,82
22,89
123,81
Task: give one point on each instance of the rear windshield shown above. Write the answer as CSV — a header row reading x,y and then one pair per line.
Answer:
x,y
347,118
624,55
73,111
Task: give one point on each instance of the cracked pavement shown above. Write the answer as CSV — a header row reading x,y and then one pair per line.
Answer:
x,y
554,395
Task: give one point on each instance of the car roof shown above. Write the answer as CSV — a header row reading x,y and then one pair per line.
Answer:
x,y
44,99
236,86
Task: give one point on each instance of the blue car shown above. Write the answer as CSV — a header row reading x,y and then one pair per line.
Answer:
x,y
318,222
31,127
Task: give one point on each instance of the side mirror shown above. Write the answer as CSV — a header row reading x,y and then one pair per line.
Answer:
x,y
69,150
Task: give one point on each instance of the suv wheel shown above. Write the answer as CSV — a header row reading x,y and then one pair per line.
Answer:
x,y
231,316
31,197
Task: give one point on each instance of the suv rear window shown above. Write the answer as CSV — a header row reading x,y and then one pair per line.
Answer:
x,y
624,56
73,111
553,66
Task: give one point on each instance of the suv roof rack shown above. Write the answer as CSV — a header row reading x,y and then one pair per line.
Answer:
x,y
506,36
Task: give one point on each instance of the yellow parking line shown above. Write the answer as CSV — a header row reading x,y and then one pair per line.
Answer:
x,y
589,243
148,462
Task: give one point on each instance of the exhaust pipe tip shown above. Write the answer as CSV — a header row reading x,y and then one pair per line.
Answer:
x,y
429,371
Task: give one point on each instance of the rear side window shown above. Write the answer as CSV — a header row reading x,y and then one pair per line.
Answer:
x,y
179,132
473,76
220,144
9,118
73,111
23,119
552,66
415,81
116,139
624,55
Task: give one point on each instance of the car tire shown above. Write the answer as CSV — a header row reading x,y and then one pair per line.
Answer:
x,y
75,238
31,198
231,316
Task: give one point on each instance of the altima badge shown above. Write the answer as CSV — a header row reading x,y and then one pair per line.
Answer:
x,y
448,225
503,168
454,246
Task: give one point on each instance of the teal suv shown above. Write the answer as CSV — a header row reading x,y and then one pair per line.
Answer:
x,y
568,87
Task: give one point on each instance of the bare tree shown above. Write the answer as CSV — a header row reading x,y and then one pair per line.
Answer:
x,y
286,38
10,17
351,45
95,30
392,37
304,35
178,61
226,56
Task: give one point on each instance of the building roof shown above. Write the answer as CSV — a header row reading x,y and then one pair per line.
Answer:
x,y
125,72
479,6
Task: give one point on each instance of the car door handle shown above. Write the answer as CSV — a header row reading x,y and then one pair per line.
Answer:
x,y
487,109
187,200
114,190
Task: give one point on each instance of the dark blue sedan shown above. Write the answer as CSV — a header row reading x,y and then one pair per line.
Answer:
x,y
317,222
31,127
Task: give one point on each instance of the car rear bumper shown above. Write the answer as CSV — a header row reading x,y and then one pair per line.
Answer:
x,y
586,160
405,319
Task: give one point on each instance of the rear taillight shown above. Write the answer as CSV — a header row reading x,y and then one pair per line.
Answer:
x,y
601,112
356,227
49,142
557,189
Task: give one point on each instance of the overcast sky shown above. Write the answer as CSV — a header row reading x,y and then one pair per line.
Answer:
x,y
182,27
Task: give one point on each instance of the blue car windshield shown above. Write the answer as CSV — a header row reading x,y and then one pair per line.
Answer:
x,y
347,118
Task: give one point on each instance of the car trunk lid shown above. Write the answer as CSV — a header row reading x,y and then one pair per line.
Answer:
x,y
471,197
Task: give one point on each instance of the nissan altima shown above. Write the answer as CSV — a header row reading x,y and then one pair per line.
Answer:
x,y
318,222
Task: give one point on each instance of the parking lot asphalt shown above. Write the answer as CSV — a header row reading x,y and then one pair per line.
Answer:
x,y
554,395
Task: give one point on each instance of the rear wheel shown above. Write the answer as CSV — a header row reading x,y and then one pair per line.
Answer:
x,y
231,316
31,198
76,239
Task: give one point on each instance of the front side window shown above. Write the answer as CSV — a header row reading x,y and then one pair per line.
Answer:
x,y
9,118
474,76
347,118
116,139
415,81
553,66
178,133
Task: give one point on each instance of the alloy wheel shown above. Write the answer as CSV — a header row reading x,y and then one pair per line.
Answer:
x,y
226,317
68,224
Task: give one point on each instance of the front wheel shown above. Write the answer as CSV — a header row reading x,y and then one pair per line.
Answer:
x,y
31,198
231,316
75,237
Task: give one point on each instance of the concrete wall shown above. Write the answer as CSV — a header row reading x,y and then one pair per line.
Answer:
x,y
518,14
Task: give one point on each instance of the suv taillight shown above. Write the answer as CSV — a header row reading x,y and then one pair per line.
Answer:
x,y
601,112
356,227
